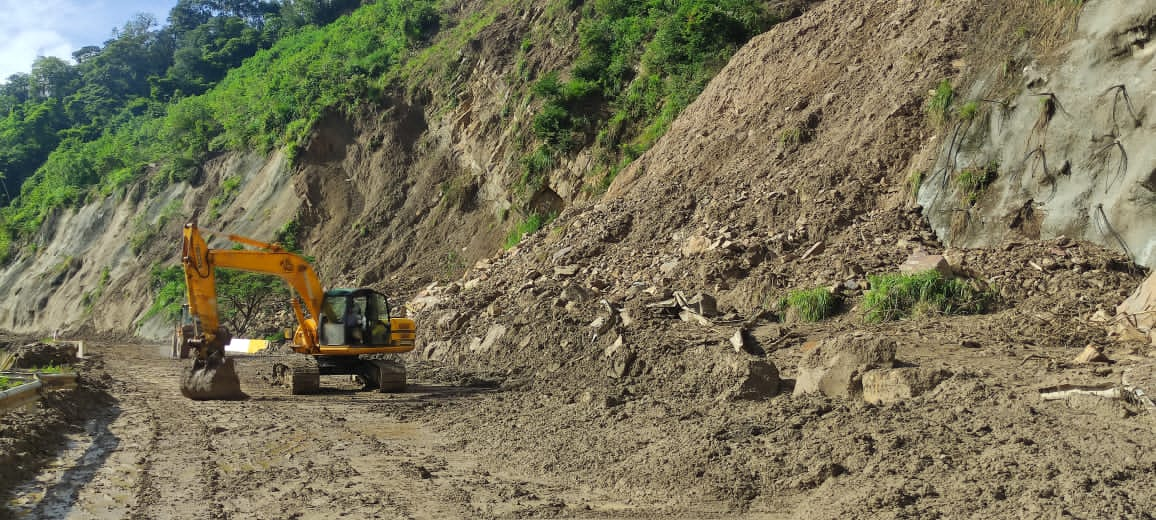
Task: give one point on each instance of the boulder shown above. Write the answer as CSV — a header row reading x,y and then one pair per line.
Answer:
x,y
695,245
898,384
920,261
758,379
835,366
1138,312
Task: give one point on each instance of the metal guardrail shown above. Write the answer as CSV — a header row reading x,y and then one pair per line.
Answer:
x,y
28,393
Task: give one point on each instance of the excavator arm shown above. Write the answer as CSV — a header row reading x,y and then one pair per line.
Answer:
x,y
200,263
212,375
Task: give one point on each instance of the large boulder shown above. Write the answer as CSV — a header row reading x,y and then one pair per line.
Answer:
x,y
1136,317
886,386
835,366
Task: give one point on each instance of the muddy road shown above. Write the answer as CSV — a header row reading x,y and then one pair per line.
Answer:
x,y
479,443
343,453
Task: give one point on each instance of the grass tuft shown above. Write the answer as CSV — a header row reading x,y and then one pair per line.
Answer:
x,y
972,182
532,223
898,296
940,103
813,304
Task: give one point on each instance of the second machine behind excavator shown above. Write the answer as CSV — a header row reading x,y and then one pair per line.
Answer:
x,y
339,331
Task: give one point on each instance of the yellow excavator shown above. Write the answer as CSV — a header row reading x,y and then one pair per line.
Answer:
x,y
339,331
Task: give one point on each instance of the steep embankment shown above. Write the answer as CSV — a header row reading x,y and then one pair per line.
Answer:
x,y
791,171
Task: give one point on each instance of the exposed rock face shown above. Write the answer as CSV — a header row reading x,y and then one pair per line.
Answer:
x,y
1069,145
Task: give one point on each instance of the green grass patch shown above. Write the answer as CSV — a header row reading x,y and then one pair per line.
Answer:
x,y
6,383
914,182
53,369
939,105
968,111
532,223
812,304
897,296
972,182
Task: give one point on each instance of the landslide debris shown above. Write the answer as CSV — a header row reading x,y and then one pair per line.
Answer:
x,y
619,375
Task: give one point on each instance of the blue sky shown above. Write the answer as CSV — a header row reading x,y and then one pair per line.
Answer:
x,y
31,28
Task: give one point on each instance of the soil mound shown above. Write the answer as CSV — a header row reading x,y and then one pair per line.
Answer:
x,y
39,355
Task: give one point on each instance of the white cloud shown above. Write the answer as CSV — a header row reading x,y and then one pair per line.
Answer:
x,y
32,28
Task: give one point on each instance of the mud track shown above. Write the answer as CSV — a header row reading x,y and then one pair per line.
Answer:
x,y
342,453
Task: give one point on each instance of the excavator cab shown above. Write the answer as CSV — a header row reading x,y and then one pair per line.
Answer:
x,y
355,318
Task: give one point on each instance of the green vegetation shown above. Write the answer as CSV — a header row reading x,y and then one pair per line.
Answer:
x,y
811,305
52,369
223,75
532,223
968,111
914,182
240,295
640,65
939,105
897,296
6,383
153,103
168,285
90,297
794,136
972,182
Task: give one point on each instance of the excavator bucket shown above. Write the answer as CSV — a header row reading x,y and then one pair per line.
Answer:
x,y
212,379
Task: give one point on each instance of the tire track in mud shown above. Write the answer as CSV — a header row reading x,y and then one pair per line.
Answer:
x,y
168,488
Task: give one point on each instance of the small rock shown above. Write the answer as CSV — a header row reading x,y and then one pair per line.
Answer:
x,y
762,381
574,293
815,249
703,304
566,270
1092,354
919,262
472,284
601,325
625,318
739,342
614,348
967,343
695,245
561,253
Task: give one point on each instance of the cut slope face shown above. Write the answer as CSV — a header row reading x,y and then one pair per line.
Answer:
x,y
1068,143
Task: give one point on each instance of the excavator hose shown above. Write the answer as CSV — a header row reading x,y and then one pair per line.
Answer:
x,y
212,379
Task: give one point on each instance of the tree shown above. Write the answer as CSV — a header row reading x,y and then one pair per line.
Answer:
x,y
53,77
243,296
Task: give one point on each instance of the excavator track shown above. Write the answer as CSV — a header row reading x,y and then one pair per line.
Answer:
x,y
297,372
385,373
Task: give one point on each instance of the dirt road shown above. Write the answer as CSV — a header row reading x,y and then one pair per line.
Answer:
x,y
565,445
342,453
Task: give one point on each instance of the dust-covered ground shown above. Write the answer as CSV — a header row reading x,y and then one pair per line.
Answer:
x,y
472,444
